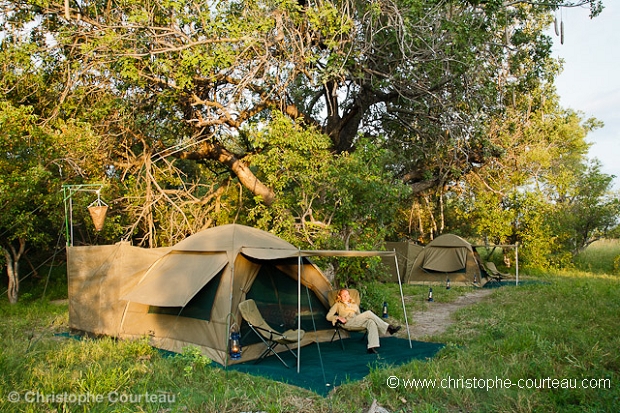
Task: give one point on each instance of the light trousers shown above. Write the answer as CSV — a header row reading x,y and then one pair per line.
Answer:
x,y
372,323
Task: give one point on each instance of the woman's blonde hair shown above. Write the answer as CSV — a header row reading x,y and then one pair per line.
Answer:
x,y
339,296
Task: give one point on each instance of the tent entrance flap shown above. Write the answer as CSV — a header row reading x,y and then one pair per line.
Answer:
x,y
176,278
445,259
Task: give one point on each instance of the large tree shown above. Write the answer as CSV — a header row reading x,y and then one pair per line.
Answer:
x,y
178,91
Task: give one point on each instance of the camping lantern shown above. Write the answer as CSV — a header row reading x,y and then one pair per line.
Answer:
x,y
385,309
448,283
430,294
235,343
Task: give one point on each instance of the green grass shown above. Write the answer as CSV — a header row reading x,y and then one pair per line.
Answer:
x,y
565,329
601,257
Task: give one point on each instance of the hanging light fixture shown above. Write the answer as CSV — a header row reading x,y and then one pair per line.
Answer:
x,y
98,210
234,343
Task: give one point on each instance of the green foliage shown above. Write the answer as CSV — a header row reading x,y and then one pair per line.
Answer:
x,y
586,211
326,202
191,359
542,193
25,150
616,265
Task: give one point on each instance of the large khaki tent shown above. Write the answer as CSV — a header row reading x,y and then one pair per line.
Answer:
x,y
447,257
188,294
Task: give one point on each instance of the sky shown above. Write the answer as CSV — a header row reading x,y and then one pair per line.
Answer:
x,y
590,81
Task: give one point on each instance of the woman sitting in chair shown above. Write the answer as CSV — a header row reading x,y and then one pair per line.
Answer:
x,y
347,313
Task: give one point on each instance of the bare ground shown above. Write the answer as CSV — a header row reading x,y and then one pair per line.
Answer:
x,y
438,316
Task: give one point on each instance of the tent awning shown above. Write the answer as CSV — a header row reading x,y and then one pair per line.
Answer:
x,y
274,253
163,285
269,253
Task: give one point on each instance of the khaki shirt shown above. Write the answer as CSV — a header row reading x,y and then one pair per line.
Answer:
x,y
344,310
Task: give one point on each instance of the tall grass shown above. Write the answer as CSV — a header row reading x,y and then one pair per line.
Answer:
x,y
601,257
563,328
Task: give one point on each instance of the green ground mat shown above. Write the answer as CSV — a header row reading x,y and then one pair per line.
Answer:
x,y
334,366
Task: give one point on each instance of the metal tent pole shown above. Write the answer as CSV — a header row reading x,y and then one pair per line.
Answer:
x,y
298,311
402,298
517,262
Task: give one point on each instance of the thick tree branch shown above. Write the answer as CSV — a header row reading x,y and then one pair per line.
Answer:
x,y
208,150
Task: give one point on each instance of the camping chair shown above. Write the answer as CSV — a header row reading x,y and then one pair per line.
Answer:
x,y
355,298
269,336
494,272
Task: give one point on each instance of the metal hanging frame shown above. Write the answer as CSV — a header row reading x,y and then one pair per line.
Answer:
x,y
68,191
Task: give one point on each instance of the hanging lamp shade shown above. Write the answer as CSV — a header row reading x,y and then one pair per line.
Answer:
x,y
98,213
98,209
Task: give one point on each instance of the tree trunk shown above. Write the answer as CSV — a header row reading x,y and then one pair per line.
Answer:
x,y
12,269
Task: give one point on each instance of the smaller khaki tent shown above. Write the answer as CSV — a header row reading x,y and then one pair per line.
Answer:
x,y
188,294
406,253
447,257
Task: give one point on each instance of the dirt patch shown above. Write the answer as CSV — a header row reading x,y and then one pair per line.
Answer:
x,y
438,316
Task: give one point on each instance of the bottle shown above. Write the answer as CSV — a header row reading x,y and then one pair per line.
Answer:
x,y
430,294
385,309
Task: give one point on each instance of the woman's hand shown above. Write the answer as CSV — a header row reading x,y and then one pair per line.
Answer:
x,y
342,320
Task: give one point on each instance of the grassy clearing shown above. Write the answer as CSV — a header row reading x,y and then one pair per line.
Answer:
x,y
564,329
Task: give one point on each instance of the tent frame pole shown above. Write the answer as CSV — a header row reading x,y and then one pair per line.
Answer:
x,y
299,311
517,263
402,298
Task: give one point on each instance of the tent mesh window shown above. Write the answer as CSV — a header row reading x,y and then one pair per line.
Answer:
x,y
275,294
198,307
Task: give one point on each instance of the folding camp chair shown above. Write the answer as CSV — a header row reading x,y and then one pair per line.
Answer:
x,y
269,336
355,298
494,272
